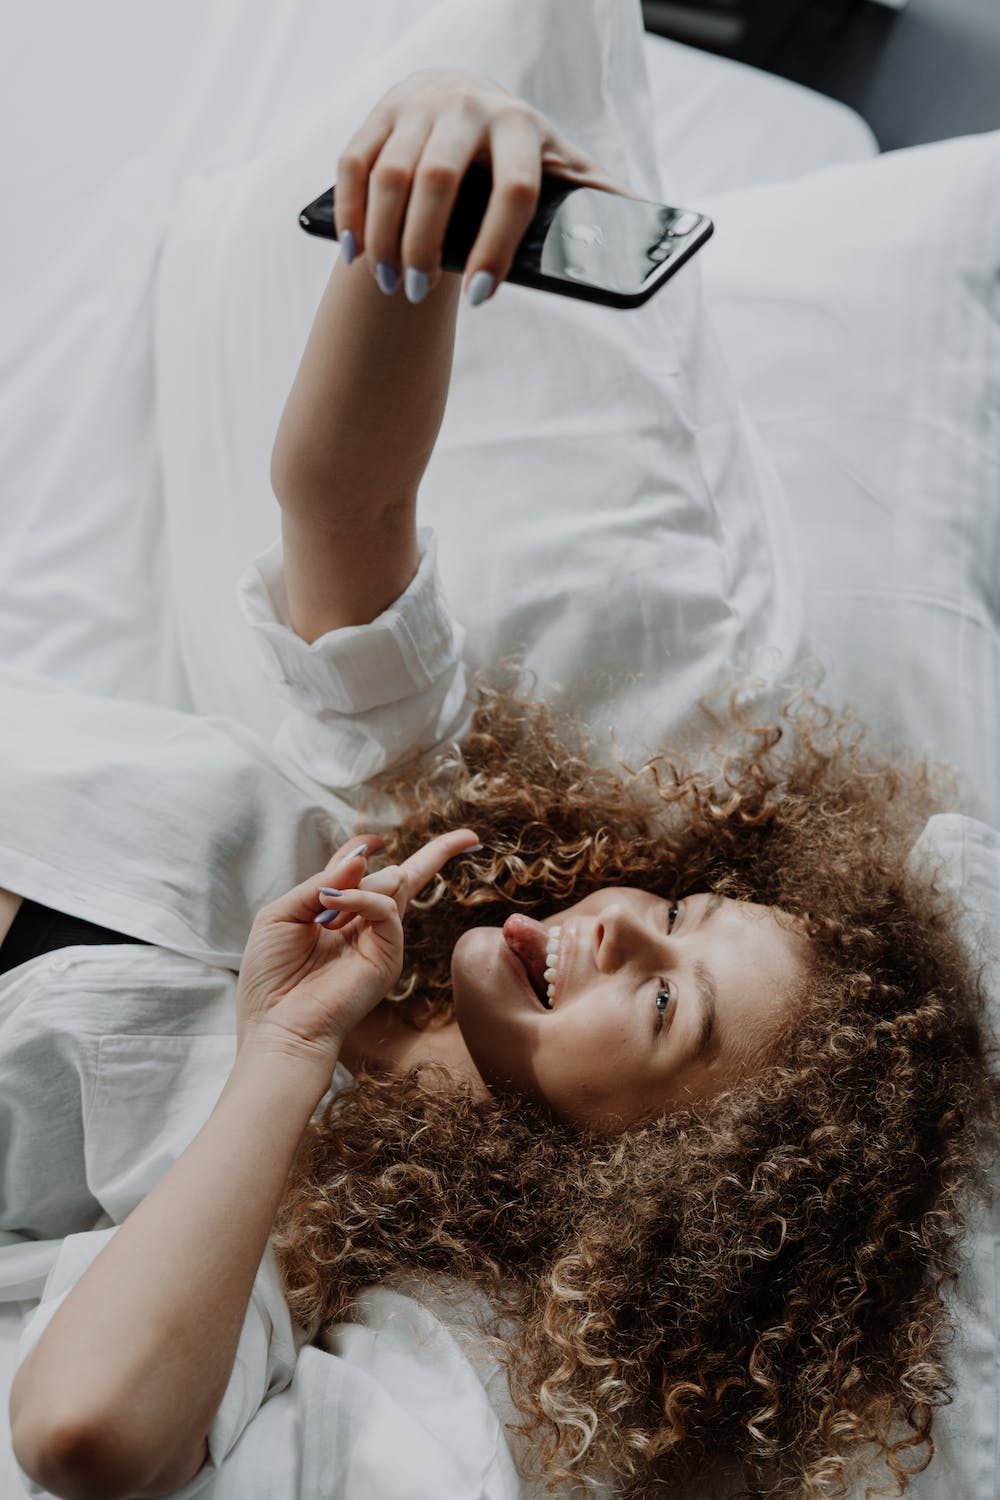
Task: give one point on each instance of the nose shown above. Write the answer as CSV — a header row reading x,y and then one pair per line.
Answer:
x,y
621,933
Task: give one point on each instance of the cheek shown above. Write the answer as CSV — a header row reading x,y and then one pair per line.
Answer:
x,y
586,1059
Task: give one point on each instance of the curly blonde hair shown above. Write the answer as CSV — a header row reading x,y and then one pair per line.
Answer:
x,y
744,1295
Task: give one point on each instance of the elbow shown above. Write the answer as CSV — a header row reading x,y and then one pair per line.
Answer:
x,y
66,1458
281,477
292,483
80,1460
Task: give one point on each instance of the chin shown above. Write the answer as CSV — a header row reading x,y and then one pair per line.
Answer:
x,y
472,961
493,1012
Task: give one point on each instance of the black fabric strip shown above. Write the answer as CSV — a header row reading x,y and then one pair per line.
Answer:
x,y
38,929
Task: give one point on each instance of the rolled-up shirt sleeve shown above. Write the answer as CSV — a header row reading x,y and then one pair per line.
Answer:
x,y
265,1356
363,698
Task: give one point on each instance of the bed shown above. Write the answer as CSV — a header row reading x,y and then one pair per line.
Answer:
x,y
824,391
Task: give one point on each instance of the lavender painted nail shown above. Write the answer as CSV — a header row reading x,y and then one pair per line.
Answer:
x,y
480,287
415,283
387,277
361,849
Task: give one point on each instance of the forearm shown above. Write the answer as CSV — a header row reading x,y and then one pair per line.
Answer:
x,y
357,432
367,402
137,1358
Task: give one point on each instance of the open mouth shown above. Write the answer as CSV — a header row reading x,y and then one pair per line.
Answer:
x,y
527,949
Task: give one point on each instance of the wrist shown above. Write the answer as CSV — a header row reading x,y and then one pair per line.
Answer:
x,y
277,1061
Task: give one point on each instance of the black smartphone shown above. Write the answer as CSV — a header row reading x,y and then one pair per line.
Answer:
x,y
582,242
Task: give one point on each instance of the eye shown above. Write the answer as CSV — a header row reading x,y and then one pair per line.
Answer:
x,y
663,993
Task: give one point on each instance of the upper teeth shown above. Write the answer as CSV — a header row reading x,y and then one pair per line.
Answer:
x,y
551,962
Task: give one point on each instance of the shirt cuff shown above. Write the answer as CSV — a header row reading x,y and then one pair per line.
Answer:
x,y
354,668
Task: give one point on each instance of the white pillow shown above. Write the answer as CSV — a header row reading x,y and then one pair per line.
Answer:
x,y
721,125
859,309
598,493
966,855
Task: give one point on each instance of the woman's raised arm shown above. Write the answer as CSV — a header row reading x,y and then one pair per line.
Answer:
x,y
355,437
366,406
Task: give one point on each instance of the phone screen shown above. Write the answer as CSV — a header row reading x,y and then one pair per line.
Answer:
x,y
603,239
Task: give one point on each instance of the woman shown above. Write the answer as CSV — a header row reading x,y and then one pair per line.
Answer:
x,y
703,1116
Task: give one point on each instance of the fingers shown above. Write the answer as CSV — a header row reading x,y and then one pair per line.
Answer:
x,y
563,158
419,871
305,903
390,882
517,183
349,862
389,190
346,869
437,174
300,904
400,174
422,866
353,169
378,908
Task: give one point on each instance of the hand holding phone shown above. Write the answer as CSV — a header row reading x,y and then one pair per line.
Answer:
x,y
451,172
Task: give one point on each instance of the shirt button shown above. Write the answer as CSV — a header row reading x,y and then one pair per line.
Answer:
x,y
59,964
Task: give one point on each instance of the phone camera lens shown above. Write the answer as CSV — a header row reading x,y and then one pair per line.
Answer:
x,y
684,223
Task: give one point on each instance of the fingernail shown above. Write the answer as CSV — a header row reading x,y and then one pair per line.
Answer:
x,y
361,849
415,283
472,848
330,890
325,917
480,287
387,277
349,245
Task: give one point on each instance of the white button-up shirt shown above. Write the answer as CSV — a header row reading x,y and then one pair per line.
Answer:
x,y
176,829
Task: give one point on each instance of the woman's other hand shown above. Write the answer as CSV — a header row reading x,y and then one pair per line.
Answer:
x,y
304,987
400,172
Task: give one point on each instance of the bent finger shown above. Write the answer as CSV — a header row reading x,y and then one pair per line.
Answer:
x,y
389,190
350,201
392,881
376,908
343,866
300,904
517,185
444,161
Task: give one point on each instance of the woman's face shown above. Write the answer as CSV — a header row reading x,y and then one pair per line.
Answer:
x,y
656,1002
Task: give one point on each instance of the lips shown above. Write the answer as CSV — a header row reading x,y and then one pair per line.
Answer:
x,y
527,940
522,974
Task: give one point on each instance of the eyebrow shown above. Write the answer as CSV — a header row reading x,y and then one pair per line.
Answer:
x,y
707,996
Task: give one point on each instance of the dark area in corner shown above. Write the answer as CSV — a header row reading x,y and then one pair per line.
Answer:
x,y
926,73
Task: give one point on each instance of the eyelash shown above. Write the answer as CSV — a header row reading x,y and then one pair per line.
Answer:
x,y
664,989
